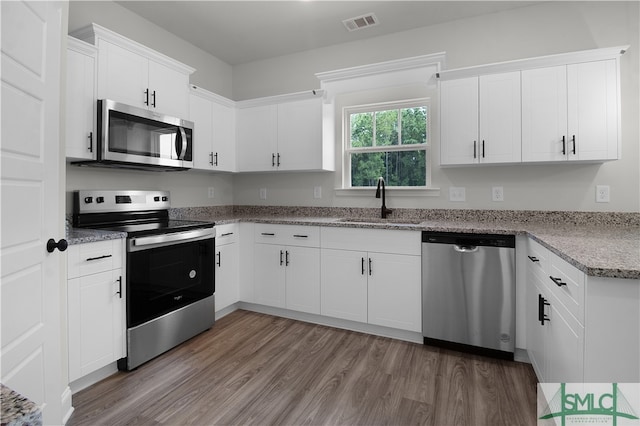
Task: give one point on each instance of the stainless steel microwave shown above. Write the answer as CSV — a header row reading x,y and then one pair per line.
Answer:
x,y
136,138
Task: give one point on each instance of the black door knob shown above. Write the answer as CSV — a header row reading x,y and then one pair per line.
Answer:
x,y
60,245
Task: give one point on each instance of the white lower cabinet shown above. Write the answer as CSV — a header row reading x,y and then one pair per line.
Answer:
x,y
226,266
96,306
580,328
287,267
371,286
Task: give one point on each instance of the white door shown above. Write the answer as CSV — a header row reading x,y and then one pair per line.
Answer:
x,y
343,288
224,137
30,345
269,275
303,279
257,138
168,90
201,115
300,134
123,76
459,121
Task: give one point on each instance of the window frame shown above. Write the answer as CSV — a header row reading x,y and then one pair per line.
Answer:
x,y
347,150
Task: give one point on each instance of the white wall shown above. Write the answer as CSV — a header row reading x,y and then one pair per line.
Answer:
x,y
541,29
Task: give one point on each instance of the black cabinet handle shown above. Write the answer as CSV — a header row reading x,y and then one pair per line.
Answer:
x,y
215,161
564,146
119,292
475,154
278,159
154,99
370,270
558,281
542,302
146,97
533,259
60,245
219,263
268,234
300,236
99,257
273,160
573,141
362,266
483,148
226,234
286,258
281,261
90,137
211,158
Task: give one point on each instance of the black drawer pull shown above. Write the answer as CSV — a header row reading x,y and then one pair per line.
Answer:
x,y
300,236
558,281
533,259
99,257
268,234
226,234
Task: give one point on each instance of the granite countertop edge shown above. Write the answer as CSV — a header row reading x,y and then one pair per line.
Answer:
x,y
574,243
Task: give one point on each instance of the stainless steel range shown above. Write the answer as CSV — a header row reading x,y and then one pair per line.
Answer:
x,y
170,268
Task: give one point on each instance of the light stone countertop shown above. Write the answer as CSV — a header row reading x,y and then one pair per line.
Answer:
x,y
596,247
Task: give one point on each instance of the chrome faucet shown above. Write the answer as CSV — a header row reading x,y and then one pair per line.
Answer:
x,y
384,210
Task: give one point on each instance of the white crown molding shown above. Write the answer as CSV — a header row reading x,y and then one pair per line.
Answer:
x,y
199,91
272,100
436,59
536,62
81,46
94,32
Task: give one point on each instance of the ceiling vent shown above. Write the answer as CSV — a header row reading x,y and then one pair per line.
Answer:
x,y
360,22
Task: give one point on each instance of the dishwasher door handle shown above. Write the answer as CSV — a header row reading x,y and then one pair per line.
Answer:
x,y
465,249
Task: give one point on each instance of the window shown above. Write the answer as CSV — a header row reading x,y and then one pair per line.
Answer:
x,y
388,140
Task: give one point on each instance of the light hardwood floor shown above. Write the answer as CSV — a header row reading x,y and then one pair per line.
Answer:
x,y
256,369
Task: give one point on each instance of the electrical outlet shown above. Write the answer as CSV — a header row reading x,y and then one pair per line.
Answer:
x,y
211,192
263,193
602,193
497,193
457,193
317,192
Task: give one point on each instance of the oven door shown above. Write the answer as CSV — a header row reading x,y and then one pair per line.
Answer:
x,y
166,272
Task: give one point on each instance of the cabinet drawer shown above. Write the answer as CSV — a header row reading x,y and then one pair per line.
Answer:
x,y
291,235
91,258
372,240
567,285
538,259
226,234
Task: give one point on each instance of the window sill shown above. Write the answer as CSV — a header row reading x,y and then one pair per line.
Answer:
x,y
396,192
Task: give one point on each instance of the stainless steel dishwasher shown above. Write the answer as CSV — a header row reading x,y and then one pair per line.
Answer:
x,y
468,292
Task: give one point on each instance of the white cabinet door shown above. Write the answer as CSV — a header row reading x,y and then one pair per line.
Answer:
x,y
459,121
535,329
201,113
544,114
564,346
269,275
303,279
500,121
81,104
257,144
300,135
95,310
593,110
344,284
227,288
168,90
123,75
394,291
224,137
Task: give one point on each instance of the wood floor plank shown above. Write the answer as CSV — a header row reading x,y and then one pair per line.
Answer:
x,y
256,369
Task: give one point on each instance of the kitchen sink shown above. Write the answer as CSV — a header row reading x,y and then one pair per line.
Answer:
x,y
390,221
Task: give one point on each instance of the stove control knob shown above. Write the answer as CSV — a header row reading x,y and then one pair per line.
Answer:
x,y
165,198
156,199
99,199
88,200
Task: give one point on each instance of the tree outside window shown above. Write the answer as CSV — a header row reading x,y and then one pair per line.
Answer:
x,y
388,140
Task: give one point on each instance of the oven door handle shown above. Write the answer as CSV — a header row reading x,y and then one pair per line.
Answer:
x,y
173,238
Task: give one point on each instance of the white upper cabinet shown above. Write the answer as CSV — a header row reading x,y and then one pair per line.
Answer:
x,y
81,100
480,119
570,112
282,133
562,107
133,74
214,119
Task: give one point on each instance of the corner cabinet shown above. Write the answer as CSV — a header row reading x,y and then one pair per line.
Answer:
x,y
80,109
580,328
372,276
480,119
537,110
282,133
96,305
133,74
214,119
226,266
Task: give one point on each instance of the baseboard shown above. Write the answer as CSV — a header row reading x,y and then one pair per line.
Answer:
x,y
393,333
226,311
93,378
67,408
521,355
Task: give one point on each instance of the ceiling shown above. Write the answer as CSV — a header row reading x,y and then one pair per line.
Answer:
x,y
241,31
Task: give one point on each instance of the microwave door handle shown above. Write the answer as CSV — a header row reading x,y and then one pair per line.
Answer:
x,y
181,143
